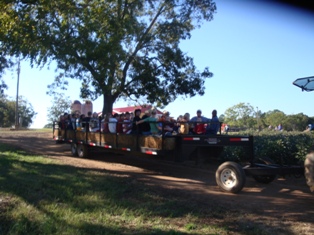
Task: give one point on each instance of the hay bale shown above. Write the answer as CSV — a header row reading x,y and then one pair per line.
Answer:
x,y
127,141
150,142
70,134
93,137
109,139
80,135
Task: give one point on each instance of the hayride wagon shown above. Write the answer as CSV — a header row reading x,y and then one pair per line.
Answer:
x,y
230,175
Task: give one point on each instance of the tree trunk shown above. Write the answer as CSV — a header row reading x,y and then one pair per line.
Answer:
x,y
108,104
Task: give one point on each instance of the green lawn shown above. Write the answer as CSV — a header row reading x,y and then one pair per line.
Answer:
x,y
39,195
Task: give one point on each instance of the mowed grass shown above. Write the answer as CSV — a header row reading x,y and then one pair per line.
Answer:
x,y
39,195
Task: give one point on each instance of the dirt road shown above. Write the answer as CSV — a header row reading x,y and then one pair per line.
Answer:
x,y
285,201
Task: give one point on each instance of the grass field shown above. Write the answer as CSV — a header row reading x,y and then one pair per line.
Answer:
x,y
39,195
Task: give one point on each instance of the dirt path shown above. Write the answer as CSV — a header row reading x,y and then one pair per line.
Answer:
x,y
283,201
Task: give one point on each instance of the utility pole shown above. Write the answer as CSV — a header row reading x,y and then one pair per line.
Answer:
x,y
257,119
17,95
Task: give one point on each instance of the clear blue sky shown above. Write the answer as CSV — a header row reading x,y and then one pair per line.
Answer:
x,y
255,49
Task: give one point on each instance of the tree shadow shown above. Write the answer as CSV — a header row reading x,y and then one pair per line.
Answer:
x,y
131,191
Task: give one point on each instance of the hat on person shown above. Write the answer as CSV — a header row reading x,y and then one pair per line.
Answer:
x,y
199,111
166,113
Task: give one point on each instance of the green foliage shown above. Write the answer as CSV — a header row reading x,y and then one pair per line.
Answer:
x,y
115,48
244,116
296,122
274,118
190,226
5,63
7,112
241,115
59,105
288,148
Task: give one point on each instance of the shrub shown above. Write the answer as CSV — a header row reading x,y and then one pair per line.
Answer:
x,y
282,147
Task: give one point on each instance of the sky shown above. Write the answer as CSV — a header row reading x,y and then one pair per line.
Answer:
x,y
255,49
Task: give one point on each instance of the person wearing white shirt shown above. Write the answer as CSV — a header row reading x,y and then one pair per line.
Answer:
x,y
112,125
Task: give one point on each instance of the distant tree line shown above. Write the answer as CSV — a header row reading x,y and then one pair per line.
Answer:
x,y
245,116
26,112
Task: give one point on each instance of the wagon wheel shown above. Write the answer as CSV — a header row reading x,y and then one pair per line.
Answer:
x,y
74,149
82,150
230,177
265,179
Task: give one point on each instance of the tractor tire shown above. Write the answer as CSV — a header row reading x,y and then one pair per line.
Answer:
x,y
230,177
309,170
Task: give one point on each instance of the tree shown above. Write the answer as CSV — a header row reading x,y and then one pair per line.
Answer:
x,y
274,118
241,115
60,105
4,64
26,112
222,118
296,122
117,48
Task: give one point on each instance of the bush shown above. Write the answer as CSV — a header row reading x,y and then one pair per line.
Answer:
x,y
288,148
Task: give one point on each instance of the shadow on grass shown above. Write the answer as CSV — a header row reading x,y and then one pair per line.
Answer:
x,y
63,199
78,200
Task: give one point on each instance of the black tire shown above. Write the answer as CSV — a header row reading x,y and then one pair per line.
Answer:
x,y
309,170
264,179
74,149
230,177
82,150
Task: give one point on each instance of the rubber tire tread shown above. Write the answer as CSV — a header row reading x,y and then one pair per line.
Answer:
x,y
74,152
82,151
240,175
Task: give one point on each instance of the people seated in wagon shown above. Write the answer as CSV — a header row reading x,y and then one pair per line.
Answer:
x,y
127,124
120,123
214,125
152,120
94,123
198,123
136,129
166,123
62,123
145,126
104,123
184,128
112,124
